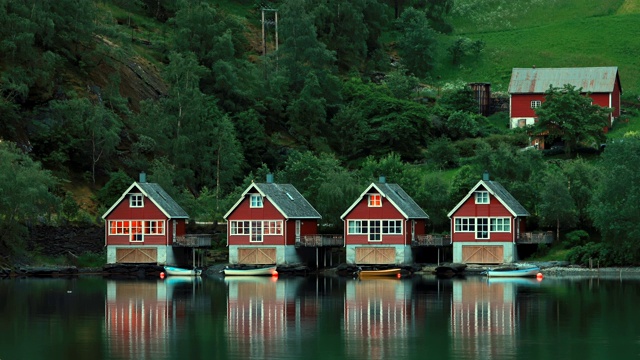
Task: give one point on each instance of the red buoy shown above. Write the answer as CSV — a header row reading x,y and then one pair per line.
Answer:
x,y
539,276
162,275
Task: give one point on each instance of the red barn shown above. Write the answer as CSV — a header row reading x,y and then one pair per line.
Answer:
x,y
381,225
147,226
266,222
528,85
486,224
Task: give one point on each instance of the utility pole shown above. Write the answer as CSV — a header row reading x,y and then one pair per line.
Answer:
x,y
269,22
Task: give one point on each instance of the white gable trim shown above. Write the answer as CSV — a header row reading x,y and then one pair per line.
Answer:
x,y
473,190
365,193
124,195
244,195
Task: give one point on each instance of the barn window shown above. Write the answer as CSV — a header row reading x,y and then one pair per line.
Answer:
x,y
482,197
375,200
465,225
154,227
135,201
239,227
535,104
374,230
500,225
256,201
136,231
482,228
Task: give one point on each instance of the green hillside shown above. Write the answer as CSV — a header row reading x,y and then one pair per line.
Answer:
x,y
547,33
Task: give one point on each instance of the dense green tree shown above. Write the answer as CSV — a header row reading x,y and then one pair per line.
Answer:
x,y
570,116
442,154
615,209
417,42
394,170
461,124
437,12
307,114
402,85
93,131
555,205
583,177
252,137
27,193
436,201
118,182
460,99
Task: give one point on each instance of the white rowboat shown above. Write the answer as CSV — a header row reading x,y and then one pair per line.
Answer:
x,y
176,271
528,272
265,271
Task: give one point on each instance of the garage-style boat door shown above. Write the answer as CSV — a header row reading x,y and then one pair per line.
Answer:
x,y
257,256
137,256
482,254
375,255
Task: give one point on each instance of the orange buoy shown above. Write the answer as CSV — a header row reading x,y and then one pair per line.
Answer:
x,y
398,276
539,276
275,273
162,275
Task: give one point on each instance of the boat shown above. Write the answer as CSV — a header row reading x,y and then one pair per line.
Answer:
x,y
176,271
385,272
519,281
507,272
264,271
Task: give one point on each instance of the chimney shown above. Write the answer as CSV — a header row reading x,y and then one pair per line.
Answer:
x,y
382,180
143,177
269,178
485,176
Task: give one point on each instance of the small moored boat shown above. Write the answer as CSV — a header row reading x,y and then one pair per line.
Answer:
x,y
385,272
264,271
524,272
176,271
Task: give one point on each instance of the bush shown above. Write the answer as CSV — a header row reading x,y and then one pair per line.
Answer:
x,y
600,254
575,238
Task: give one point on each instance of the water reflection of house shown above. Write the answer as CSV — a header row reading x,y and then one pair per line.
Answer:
x,y
483,319
139,317
379,317
263,313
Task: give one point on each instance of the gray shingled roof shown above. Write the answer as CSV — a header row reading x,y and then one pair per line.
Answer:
x,y
537,81
288,200
163,200
507,199
402,200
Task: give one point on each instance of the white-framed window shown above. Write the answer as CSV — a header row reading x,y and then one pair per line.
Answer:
x,y
374,229
392,227
375,200
256,229
255,201
136,201
137,234
482,197
240,227
464,225
154,227
119,227
482,228
535,104
136,228
500,225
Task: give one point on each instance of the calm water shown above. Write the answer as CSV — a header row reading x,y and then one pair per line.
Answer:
x,y
324,318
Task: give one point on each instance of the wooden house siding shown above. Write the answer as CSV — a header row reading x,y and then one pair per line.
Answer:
x,y
521,105
387,211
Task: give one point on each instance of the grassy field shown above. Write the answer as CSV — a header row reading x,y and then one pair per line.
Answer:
x,y
546,33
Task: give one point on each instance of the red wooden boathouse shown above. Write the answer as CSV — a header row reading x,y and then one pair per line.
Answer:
x,y
381,225
267,221
147,226
486,224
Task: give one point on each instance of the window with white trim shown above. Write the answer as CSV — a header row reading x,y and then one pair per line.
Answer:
x,y
136,200
272,227
154,227
240,227
482,228
118,227
136,231
482,197
255,201
256,231
500,225
535,104
375,200
464,224
374,229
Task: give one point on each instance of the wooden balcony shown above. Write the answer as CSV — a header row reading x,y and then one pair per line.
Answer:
x,y
193,240
538,237
320,240
432,240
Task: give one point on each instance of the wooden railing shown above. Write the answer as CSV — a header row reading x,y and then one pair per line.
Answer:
x,y
193,240
535,238
320,240
432,240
